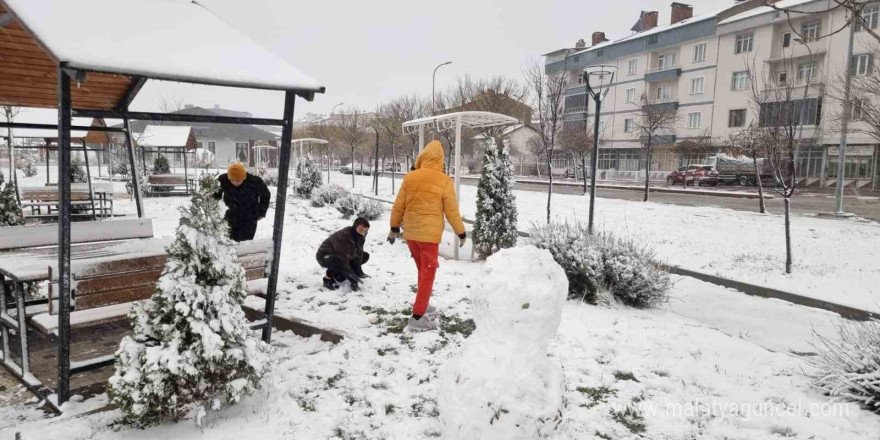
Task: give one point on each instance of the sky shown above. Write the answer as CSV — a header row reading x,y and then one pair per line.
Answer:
x,y
367,52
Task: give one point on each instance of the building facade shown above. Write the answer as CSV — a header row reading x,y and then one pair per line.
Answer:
x,y
705,68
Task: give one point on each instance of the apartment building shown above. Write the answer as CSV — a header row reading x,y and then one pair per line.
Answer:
x,y
703,67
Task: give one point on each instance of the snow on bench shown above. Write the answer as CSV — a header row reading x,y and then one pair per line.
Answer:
x,y
19,237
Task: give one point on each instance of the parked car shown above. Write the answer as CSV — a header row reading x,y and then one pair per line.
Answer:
x,y
698,175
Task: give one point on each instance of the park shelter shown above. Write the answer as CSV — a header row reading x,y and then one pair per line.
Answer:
x,y
173,142
90,58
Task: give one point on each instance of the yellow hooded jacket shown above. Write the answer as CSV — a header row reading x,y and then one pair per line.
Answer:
x,y
426,194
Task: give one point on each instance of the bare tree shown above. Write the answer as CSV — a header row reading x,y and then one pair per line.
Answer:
x,y
749,142
577,140
548,98
854,9
11,112
783,109
352,130
694,146
654,119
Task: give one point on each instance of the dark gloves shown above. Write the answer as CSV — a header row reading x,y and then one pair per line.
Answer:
x,y
355,283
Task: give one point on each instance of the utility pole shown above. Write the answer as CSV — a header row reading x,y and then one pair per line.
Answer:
x,y
844,124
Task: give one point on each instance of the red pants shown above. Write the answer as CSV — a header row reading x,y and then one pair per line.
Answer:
x,y
425,255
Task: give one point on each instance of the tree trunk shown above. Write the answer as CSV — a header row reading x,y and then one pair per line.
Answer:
x,y
550,186
787,235
352,168
761,203
647,169
584,167
538,166
686,167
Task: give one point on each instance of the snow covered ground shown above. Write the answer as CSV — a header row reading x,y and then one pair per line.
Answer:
x,y
833,260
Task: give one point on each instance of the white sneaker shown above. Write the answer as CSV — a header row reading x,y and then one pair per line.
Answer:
x,y
420,325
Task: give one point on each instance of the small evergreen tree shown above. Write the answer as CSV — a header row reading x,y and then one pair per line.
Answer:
x,y
191,346
160,165
495,226
10,211
310,180
26,161
77,172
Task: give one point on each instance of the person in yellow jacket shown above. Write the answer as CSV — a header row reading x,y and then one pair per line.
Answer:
x,y
426,195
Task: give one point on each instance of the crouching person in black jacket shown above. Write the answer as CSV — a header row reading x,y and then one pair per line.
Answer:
x,y
342,254
246,198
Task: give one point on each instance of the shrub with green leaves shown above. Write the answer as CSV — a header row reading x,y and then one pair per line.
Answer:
x,y
848,366
327,195
351,205
310,180
160,165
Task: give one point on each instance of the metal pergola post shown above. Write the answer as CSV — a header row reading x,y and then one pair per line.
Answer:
x,y
135,180
280,203
457,172
63,159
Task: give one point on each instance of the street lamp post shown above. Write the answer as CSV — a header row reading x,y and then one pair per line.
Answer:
x,y
601,72
433,82
844,125
329,154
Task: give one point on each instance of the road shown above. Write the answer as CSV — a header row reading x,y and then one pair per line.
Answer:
x,y
804,204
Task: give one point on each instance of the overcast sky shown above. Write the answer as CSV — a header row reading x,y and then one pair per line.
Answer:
x,y
365,52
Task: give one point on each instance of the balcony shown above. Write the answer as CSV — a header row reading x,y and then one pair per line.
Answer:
x,y
660,73
569,110
667,103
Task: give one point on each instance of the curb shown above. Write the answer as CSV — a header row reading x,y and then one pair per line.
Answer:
x,y
844,311
298,326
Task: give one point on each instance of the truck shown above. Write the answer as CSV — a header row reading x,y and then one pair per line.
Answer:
x,y
741,170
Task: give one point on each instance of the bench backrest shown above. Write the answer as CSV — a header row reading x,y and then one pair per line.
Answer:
x,y
121,281
19,237
167,179
49,194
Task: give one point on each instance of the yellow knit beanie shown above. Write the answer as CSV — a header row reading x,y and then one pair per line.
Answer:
x,y
236,171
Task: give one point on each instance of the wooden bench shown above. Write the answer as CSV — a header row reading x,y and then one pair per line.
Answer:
x,y
103,291
82,200
169,184
35,236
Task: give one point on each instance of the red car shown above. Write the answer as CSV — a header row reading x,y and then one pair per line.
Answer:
x,y
697,175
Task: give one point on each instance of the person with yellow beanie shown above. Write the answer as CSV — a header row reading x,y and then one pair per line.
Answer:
x,y
426,196
247,200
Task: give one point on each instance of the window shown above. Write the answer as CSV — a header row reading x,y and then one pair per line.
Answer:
x,y
870,15
581,78
630,96
699,52
212,147
737,118
786,39
632,67
695,120
807,71
782,78
697,86
198,144
790,113
856,111
241,151
577,58
665,60
628,125
743,43
652,39
810,31
600,53
740,80
862,64
663,92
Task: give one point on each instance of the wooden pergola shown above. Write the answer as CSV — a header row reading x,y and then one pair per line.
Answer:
x,y
90,58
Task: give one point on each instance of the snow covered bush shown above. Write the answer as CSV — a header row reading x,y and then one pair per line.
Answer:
x,y
600,263
310,180
190,347
504,386
160,165
10,211
270,177
573,248
327,195
26,161
849,367
352,205
77,171
495,226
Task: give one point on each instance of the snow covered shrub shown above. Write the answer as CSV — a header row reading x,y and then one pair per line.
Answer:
x,y
849,367
10,211
352,205
26,161
495,226
203,158
573,249
160,165
190,346
310,180
77,171
599,263
270,177
631,275
327,195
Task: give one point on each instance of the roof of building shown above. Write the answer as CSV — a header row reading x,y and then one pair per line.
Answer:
x,y
234,132
42,116
164,136
765,10
162,39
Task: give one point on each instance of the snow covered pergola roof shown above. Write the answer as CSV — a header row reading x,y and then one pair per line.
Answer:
x,y
448,121
165,136
120,43
310,141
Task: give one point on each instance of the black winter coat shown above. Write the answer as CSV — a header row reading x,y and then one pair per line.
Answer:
x,y
247,202
346,244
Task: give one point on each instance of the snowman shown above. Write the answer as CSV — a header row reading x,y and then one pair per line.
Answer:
x,y
503,385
